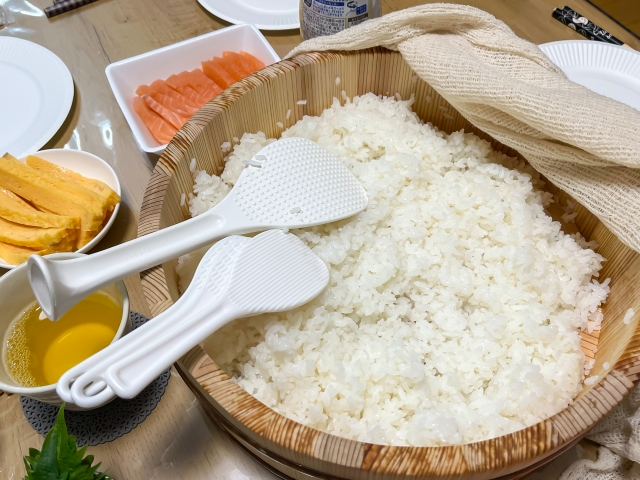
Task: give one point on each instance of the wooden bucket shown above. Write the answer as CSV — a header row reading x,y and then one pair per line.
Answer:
x,y
257,103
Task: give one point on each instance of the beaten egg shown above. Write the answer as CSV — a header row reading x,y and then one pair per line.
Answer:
x,y
38,351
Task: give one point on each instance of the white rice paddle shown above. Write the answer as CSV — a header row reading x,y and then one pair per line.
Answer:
x,y
237,277
291,183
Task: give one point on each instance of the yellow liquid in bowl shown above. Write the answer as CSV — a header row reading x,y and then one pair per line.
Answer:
x,y
37,352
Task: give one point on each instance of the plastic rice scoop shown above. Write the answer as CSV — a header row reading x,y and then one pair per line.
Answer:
x,y
215,266
237,277
291,183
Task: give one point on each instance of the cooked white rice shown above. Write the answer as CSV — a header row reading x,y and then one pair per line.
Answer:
x,y
591,380
628,316
455,303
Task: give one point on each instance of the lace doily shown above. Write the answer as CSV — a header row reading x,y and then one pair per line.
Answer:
x,y
106,423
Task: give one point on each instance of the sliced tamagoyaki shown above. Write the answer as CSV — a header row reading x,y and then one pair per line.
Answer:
x,y
55,195
68,186
62,173
18,199
16,210
15,255
33,237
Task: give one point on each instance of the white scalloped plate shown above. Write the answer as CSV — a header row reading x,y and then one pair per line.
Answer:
x,y
36,92
606,69
264,14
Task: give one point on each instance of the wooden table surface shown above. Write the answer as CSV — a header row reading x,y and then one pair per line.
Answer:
x,y
178,441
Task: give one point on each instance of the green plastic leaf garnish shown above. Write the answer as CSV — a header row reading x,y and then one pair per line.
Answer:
x,y
60,458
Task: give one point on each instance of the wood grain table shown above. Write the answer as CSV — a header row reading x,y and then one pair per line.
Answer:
x,y
178,441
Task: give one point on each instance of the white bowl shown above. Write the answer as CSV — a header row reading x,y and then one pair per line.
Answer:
x,y
127,75
15,296
90,166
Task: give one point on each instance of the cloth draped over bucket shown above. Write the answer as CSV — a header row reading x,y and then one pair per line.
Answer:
x,y
619,435
586,144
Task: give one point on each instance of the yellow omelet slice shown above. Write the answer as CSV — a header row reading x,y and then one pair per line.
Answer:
x,y
55,195
62,173
15,255
33,237
16,210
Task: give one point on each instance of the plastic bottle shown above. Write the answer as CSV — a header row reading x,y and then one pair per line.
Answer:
x,y
326,17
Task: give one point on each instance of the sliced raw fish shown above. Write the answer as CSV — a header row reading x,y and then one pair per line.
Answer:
x,y
195,88
191,94
143,90
196,78
179,98
174,105
257,64
173,118
165,105
214,69
241,62
161,130
161,86
231,68
207,87
179,83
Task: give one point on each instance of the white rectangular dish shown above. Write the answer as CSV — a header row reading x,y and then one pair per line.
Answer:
x,y
127,75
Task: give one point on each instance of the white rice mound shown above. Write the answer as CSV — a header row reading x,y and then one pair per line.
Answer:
x,y
455,302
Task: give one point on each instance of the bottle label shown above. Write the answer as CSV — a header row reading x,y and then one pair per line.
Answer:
x,y
326,17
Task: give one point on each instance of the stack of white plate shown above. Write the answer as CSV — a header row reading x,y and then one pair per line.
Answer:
x,y
606,69
264,14
35,98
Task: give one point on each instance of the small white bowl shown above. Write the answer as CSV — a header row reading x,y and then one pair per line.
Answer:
x,y
127,75
87,165
15,296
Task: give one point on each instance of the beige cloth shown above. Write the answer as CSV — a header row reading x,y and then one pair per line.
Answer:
x,y
609,466
619,433
586,144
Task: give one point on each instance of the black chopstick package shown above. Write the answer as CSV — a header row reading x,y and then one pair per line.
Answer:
x,y
583,26
65,6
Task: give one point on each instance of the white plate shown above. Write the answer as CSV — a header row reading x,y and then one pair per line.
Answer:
x,y
90,166
127,75
36,92
264,14
606,69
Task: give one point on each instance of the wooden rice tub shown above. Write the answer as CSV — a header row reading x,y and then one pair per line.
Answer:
x,y
256,104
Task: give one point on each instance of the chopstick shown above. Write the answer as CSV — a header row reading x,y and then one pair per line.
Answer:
x,y
584,27
65,6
